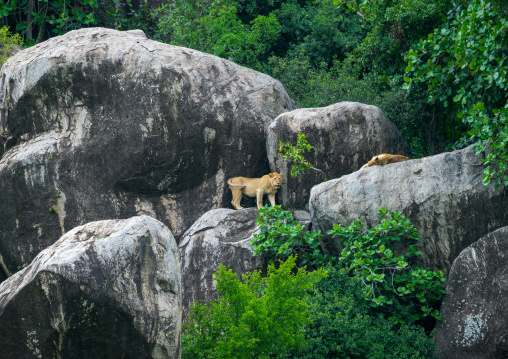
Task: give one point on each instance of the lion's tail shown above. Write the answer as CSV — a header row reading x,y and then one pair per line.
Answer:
x,y
236,185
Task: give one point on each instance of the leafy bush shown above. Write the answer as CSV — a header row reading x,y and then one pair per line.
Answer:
x,y
8,42
254,319
388,276
318,28
372,257
345,326
464,65
364,307
316,86
37,20
281,236
394,26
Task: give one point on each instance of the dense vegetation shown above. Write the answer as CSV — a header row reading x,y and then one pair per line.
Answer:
x,y
303,315
367,303
342,325
374,256
254,319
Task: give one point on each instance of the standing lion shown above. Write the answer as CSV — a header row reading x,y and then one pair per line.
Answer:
x,y
255,187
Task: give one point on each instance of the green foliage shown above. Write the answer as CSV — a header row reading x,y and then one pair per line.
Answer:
x,y
281,236
377,66
261,28
310,86
464,65
295,155
214,27
394,27
7,42
254,319
37,20
320,29
373,257
345,326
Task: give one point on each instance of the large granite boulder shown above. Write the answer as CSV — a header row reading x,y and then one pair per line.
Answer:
x,y
102,124
108,289
220,236
475,307
443,197
345,136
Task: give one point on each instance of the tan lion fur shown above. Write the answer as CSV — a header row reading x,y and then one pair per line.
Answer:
x,y
384,159
255,187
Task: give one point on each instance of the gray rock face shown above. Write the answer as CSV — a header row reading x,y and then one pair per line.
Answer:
x,y
108,289
219,236
475,307
102,124
345,136
442,196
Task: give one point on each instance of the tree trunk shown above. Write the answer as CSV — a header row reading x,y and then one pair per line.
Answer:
x,y
42,24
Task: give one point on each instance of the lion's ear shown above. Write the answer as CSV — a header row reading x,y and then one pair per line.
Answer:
x,y
377,158
271,175
280,173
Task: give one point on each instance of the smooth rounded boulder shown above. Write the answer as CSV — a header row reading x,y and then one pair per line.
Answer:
x,y
107,289
474,309
220,236
442,196
100,124
345,136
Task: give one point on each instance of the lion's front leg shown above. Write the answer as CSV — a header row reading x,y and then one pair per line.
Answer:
x,y
271,197
259,196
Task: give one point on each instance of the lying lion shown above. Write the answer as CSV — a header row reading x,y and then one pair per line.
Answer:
x,y
255,187
384,159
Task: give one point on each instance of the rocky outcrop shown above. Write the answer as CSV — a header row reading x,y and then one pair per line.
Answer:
x,y
221,236
345,136
102,124
442,196
475,307
108,289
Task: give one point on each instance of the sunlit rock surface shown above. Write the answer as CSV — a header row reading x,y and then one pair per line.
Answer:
x,y
99,124
108,289
220,236
443,197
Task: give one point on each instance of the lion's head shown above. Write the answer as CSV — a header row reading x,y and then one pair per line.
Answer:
x,y
276,179
379,160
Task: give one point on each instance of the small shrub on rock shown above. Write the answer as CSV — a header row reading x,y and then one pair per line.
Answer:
x,y
8,44
280,236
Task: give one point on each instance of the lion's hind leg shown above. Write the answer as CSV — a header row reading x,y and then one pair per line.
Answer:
x,y
237,197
